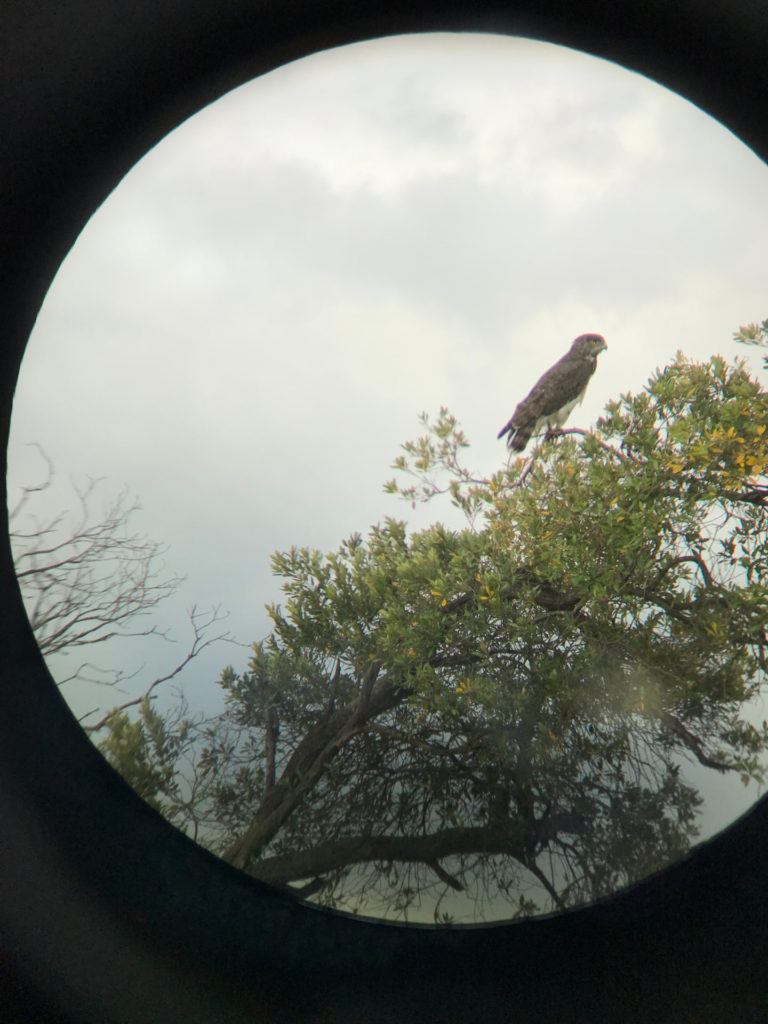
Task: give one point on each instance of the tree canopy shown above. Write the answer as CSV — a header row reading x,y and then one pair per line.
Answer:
x,y
505,710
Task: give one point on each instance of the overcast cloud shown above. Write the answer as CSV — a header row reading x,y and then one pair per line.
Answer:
x,y
248,328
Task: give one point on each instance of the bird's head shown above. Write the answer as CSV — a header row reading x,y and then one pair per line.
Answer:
x,y
589,345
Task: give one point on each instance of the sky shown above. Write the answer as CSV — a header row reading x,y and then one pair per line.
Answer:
x,y
247,330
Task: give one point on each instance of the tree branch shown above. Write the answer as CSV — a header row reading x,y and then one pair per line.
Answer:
x,y
544,594
308,762
82,585
692,743
427,849
199,644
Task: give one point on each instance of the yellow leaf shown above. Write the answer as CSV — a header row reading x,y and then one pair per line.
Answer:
x,y
745,780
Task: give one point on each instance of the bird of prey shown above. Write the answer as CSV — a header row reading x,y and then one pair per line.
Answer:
x,y
556,393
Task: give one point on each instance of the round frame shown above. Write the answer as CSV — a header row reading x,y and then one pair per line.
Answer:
x,y
107,913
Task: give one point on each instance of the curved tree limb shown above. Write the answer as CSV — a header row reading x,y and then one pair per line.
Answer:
x,y
425,849
310,759
691,742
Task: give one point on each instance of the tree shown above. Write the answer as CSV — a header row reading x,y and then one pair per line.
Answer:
x,y
88,578
512,703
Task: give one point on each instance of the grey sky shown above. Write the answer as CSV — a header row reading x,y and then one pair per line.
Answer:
x,y
248,328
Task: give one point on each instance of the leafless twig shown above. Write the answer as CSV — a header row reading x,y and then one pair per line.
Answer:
x,y
199,643
86,578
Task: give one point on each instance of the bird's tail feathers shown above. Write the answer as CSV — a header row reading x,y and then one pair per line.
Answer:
x,y
517,441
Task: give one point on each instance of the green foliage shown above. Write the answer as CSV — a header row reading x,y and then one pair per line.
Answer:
x,y
753,334
467,710
143,751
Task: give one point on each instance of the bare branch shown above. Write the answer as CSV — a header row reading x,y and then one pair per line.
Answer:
x,y
617,453
34,488
444,877
199,643
86,578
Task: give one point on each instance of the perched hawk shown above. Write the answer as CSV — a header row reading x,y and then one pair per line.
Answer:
x,y
554,395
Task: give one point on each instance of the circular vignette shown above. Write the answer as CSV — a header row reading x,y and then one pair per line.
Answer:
x,y
106,912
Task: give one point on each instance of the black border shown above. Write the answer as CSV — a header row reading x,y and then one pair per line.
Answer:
x,y
106,912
